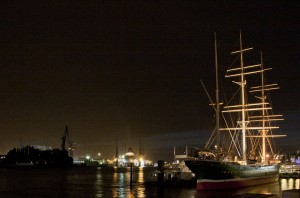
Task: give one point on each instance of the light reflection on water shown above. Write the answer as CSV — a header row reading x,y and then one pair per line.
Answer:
x,y
266,190
120,185
111,182
289,183
141,175
121,177
99,190
275,189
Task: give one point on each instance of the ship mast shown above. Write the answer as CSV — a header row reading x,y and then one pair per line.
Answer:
x,y
216,105
242,84
243,122
262,121
265,118
217,96
242,107
117,152
263,98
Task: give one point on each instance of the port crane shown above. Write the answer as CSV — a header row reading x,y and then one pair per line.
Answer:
x,y
63,143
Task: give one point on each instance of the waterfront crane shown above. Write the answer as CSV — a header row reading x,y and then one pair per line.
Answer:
x,y
63,144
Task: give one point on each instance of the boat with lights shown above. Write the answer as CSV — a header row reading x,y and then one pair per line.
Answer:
x,y
243,154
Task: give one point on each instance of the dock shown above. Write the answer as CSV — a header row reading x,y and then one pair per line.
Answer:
x,y
289,171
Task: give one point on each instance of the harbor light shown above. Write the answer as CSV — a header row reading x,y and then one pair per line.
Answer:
x,y
142,162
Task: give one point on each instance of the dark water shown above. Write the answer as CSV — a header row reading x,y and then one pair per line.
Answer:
x,y
111,182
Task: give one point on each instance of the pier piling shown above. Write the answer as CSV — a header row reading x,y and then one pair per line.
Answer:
x,y
160,176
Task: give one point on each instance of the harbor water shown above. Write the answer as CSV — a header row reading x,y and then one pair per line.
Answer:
x,y
114,182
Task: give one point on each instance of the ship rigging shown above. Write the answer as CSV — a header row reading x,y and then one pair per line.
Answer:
x,y
250,131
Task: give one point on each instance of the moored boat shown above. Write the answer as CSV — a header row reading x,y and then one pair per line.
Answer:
x,y
213,174
245,160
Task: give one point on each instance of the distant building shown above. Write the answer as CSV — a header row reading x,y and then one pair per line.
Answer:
x,y
127,159
2,157
42,147
130,158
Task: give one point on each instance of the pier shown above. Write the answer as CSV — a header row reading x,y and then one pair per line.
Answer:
x,y
289,171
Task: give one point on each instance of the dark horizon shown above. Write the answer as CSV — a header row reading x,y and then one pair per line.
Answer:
x,y
133,70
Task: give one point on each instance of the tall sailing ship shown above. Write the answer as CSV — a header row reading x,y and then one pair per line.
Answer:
x,y
249,158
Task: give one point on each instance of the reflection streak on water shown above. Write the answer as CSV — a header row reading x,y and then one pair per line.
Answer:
x,y
140,188
289,184
121,190
121,183
99,185
141,175
115,180
110,182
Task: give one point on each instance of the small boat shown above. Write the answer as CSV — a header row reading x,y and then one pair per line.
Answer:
x,y
245,161
175,172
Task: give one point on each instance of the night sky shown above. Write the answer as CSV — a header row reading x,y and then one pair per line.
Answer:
x,y
132,69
